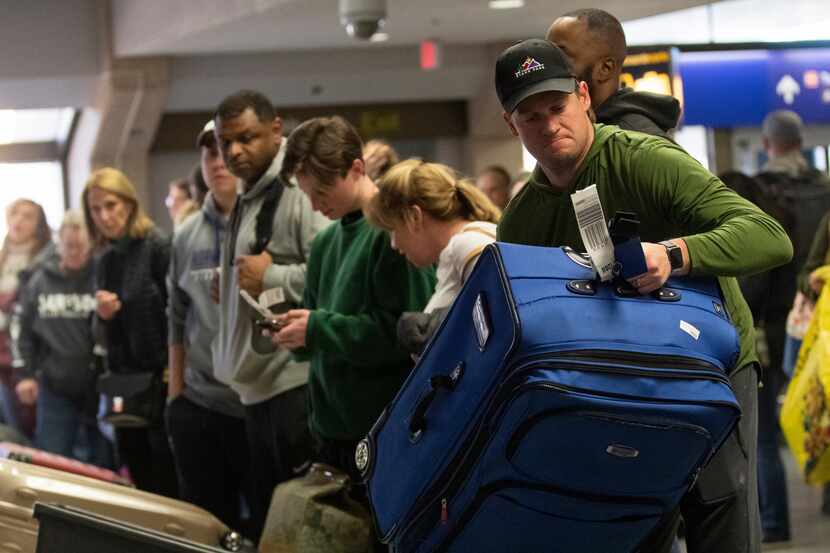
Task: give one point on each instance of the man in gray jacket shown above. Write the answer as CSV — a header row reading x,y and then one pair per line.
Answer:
x,y
202,412
264,254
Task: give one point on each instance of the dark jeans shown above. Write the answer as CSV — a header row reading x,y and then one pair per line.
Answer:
x,y
791,348
337,453
146,452
280,447
772,479
340,454
62,424
17,416
721,510
212,458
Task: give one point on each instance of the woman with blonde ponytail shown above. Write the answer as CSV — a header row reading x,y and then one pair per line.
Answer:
x,y
433,216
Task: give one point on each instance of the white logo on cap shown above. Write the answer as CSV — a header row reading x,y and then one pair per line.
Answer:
x,y
529,66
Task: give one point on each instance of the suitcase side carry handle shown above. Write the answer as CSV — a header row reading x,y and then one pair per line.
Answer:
x,y
446,382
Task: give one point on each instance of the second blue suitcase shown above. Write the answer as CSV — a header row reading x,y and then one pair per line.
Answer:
x,y
549,410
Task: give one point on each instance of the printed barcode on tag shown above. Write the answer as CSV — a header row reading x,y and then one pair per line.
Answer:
x,y
595,235
588,212
592,229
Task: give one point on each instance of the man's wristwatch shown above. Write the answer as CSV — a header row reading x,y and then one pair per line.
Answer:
x,y
675,254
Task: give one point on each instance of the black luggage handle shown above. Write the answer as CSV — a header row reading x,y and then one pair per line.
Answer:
x,y
446,382
622,288
623,227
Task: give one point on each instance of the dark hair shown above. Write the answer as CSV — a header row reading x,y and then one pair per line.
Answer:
x,y
197,183
606,27
183,185
324,148
43,234
236,104
500,172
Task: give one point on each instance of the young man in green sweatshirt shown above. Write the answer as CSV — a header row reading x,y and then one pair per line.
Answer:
x,y
691,224
357,286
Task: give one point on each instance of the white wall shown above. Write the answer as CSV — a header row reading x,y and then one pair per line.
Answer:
x,y
327,77
79,159
453,152
51,54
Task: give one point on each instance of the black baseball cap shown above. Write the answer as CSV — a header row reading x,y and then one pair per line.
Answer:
x,y
530,67
205,137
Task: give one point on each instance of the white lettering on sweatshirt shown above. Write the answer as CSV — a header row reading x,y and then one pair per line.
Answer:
x,y
65,306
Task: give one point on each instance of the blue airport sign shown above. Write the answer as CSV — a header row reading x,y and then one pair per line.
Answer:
x,y
739,87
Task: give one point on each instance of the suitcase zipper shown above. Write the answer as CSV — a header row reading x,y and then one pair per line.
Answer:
x,y
653,422
645,359
477,438
631,371
695,368
497,486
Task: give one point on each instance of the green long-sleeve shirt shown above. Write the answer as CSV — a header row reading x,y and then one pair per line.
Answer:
x,y
675,197
357,287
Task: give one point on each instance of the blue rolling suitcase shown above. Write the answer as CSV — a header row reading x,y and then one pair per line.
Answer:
x,y
551,413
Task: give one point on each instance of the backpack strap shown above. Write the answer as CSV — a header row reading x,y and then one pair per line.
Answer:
x,y
264,228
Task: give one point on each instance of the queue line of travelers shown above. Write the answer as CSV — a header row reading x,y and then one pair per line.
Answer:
x,y
216,378
349,311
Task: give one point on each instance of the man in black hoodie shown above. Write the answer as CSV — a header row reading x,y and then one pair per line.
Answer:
x,y
594,41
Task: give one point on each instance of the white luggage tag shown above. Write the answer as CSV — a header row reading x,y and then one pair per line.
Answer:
x,y
594,231
272,296
264,311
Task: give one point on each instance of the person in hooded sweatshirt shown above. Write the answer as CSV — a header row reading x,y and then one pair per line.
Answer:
x,y
201,411
53,348
594,41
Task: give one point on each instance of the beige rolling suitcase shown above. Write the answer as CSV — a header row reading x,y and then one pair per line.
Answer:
x,y
22,484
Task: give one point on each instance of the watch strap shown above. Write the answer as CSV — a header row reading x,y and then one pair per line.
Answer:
x,y
675,254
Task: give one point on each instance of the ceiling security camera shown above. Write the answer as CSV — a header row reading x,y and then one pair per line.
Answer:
x,y
362,18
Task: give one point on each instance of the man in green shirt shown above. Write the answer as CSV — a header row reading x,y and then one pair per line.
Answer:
x,y
691,224
357,287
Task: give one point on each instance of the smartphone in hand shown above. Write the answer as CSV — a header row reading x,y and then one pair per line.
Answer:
x,y
269,324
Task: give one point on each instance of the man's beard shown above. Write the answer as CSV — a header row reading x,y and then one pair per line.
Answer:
x,y
587,76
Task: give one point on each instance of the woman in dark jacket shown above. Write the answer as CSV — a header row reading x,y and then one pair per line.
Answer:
x,y
131,299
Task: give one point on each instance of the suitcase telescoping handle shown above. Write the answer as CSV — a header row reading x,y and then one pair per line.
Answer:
x,y
446,382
